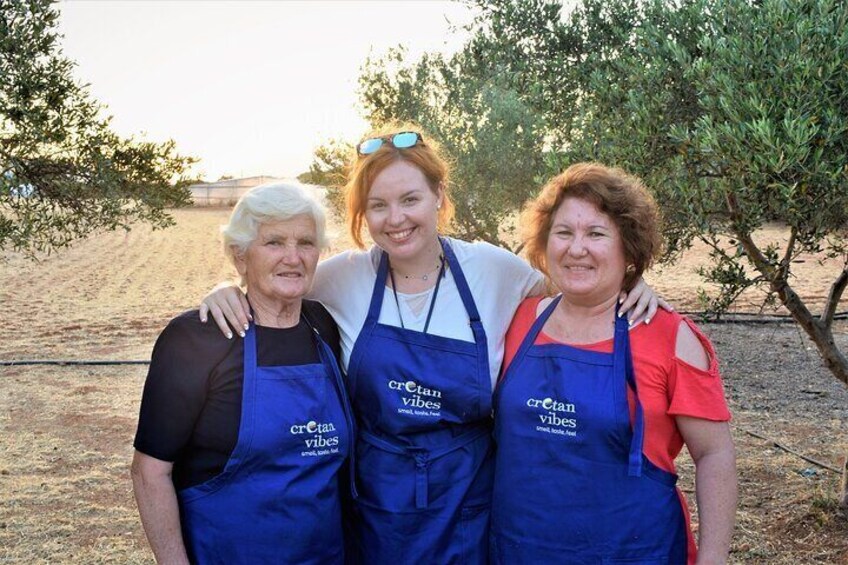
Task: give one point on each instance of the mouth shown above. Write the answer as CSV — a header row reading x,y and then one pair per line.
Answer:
x,y
289,275
400,235
577,268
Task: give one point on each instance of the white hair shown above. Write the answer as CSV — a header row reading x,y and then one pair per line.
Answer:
x,y
271,202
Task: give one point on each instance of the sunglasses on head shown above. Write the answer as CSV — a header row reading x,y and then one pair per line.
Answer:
x,y
402,140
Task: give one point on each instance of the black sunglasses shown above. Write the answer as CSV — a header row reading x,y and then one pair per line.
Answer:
x,y
402,140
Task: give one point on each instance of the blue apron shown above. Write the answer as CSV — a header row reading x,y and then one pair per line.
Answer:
x,y
571,482
424,456
277,500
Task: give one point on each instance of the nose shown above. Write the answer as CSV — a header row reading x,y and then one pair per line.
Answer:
x,y
290,254
396,215
577,248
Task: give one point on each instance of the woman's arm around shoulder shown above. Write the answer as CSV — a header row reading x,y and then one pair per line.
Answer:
x,y
228,306
344,275
499,266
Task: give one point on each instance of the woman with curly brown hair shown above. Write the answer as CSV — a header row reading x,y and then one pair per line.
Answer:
x,y
590,414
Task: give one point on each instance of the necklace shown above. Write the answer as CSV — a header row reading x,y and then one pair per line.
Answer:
x,y
441,268
426,275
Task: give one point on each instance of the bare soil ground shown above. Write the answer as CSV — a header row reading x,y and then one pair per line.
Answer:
x,y
67,431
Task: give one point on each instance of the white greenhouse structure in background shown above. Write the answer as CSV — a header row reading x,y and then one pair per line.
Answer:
x,y
225,192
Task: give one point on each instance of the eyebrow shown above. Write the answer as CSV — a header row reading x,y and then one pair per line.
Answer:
x,y
591,226
404,195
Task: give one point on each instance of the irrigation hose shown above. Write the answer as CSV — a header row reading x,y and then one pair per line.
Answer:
x,y
733,318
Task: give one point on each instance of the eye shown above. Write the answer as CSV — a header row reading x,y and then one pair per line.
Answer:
x,y
306,243
273,242
411,199
376,205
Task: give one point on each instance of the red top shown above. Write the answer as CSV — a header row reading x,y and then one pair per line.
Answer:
x,y
667,386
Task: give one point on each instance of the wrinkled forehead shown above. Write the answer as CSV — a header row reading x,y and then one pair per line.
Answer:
x,y
296,226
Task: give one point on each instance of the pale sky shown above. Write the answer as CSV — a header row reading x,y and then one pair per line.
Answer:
x,y
248,87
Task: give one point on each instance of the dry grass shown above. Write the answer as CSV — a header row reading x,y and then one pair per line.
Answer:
x,y
67,431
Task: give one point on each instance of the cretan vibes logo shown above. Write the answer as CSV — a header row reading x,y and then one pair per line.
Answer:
x,y
555,417
319,438
417,400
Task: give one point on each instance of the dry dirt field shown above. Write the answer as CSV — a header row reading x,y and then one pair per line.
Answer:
x,y
67,430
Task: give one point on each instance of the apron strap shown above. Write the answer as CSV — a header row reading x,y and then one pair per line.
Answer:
x,y
623,363
532,334
328,359
461,283
483,372
424,456
377,293
248,403
370,320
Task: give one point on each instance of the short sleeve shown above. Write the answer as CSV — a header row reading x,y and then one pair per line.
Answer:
x,y
341,279
176,386
695,392
515,271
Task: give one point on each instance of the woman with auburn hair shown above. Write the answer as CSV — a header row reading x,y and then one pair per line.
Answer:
x,y
422,319
590,416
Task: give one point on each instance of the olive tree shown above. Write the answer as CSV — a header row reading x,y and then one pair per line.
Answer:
x,y
329,168
63,172
735,112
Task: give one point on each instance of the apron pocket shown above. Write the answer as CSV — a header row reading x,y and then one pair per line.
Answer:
x,y
412,482
385,480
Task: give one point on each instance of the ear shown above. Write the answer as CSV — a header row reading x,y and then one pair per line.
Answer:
x,y
239,260
440,195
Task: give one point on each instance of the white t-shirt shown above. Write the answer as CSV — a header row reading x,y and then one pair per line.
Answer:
x,y
499,281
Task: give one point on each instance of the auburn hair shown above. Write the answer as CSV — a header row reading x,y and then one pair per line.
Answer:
x,y
425,155
619,195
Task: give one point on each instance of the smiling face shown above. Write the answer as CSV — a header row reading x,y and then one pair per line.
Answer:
x,y
279,264
585,255
401,213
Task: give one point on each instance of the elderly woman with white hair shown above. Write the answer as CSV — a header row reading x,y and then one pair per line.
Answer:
x,y
240,442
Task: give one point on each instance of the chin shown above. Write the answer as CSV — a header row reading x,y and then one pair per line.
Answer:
x,y
290,294
577,290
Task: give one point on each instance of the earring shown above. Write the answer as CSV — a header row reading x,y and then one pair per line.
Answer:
x,y
631,268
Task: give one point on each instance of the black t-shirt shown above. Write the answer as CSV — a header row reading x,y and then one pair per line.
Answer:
x,y
191,405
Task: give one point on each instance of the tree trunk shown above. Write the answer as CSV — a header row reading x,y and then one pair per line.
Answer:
x,y
843,488
821,334
819,330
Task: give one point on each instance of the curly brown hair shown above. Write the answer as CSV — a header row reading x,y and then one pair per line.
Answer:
x,y
426,156
621,196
